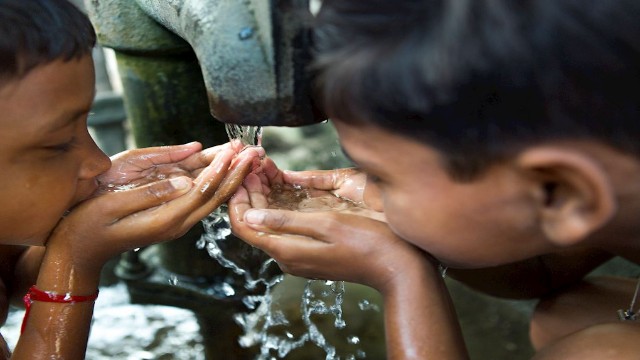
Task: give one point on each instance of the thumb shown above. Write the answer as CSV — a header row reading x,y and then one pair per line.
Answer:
x,y
314,225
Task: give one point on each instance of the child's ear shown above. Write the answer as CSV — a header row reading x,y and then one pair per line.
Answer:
x,y
573,192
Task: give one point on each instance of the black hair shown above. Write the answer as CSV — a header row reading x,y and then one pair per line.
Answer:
x,y
480,79
37,32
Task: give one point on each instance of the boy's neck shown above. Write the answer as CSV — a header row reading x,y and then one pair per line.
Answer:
x,y
621,235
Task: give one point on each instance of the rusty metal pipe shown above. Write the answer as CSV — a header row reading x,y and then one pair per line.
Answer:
x,y
253,54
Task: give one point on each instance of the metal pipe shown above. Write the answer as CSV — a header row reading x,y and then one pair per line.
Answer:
x,y
253,54
166,103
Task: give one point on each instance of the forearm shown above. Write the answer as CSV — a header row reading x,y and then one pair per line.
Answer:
x,y
55,331
59,330
420,319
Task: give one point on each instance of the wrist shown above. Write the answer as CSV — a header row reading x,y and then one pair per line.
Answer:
x,y
418,269
36,294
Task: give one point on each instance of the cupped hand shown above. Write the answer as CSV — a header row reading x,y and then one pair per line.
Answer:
x,y
324,244
348,184
104,226
138,167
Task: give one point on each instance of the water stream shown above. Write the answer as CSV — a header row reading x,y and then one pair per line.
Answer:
x,y
263,315
135,332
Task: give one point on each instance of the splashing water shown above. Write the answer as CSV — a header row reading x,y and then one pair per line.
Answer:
x,y
247,135
263,315
217,229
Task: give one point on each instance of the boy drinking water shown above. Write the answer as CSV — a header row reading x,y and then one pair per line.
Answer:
x,y
502,136
66,207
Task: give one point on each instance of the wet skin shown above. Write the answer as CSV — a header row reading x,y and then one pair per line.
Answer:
x,y
55,164
49,162
460,224
505,216
56,190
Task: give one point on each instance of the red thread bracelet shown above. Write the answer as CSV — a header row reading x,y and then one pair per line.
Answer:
x,y
35,294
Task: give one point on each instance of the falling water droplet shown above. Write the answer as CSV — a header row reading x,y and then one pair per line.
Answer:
x,y
227,289
365,304
353,340
443,270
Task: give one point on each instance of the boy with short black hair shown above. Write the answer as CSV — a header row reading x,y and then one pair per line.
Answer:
x,y
495,135
66,207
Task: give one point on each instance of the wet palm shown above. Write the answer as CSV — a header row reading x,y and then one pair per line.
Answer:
x,y
138,167
341,190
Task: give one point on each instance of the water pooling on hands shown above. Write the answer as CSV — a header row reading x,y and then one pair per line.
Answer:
x,y
306,200
318,298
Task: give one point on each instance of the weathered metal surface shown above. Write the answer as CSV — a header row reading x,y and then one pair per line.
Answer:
x,y
253,54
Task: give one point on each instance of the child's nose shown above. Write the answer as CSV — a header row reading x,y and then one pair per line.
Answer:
x,y
96,163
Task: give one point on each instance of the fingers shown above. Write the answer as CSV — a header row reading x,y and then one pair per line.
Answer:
x,y
198,161
210,178
236,145
124,203
271,172
310,244
238,206
135,166
215,184
256,191
288,249
166,209
153,213
315,225
170,219
215,196
160,154
203,186
319,179
234,178
159,211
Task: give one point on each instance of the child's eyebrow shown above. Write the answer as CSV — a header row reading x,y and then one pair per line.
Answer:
x,y
70,116
364,164
67,118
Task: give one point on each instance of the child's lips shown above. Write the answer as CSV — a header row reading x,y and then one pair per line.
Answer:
x,y
93,189
86,192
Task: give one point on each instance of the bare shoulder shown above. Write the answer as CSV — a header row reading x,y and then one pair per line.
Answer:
x,y
615,341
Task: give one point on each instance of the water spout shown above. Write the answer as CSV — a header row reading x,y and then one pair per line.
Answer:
x,y
253,54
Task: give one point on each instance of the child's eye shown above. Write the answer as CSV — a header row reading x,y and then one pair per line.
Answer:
x,y
64,147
